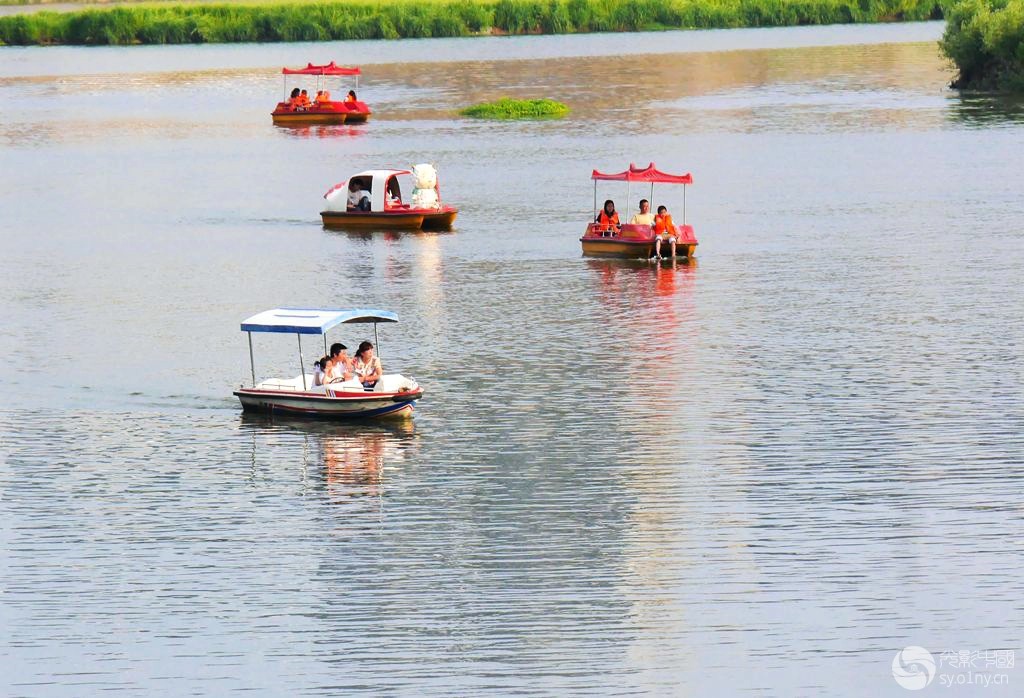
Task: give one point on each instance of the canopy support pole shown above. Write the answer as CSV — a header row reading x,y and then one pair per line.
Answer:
x,y
684,204
325,344
652,194
302,366
627,194
595,201
252,363
376,342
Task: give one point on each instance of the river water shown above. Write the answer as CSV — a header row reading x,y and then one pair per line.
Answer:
x,y
761,473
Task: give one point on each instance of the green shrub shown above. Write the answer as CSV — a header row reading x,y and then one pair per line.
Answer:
x,y
506,108
985,40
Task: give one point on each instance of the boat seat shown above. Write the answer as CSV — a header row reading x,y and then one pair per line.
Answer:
x,y
293,384
393,383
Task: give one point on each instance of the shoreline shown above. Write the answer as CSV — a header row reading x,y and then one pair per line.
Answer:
x,y
33,61
289,22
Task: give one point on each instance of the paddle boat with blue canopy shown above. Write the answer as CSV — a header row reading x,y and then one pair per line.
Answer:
x,y
394,395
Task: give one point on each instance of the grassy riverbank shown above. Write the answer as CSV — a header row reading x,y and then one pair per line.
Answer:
x,y
165,23
985,39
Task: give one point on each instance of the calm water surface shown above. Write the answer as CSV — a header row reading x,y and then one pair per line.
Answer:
x,y
761,473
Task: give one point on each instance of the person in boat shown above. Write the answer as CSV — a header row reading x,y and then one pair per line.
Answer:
x,y
293,98
303,100
358,198
644,217
351,97
340,368
608,219
394,195
322,98
318,370
367,366
664,229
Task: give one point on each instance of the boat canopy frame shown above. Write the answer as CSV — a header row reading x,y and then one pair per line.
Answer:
x,y
321,72
649,174
300,321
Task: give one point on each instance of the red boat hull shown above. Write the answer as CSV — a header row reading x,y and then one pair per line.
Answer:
x,y
323,113
397,219
635,242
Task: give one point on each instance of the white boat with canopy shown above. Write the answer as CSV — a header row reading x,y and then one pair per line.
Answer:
x,y
394,395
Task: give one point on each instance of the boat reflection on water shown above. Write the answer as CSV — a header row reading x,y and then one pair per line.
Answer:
x,y
370,234
344,460
650,307
321,130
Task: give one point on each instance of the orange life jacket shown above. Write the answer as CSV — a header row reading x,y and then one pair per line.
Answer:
x,y
606,221
350,98
664,224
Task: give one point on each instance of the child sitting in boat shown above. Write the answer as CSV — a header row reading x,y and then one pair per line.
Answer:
x,y
318,370
664,229
351,98
608,220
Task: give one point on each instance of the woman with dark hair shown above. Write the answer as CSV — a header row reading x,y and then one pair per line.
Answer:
x,y
608,219
292,100
367,366
351,96
320,367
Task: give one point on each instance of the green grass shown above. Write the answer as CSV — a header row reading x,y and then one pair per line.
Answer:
x,y
506,108
985,39
300,20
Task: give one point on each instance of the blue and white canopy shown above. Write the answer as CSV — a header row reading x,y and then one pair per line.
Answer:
x,y
312,320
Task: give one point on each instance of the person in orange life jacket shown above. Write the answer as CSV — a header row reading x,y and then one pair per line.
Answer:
x,y
664,229
608,219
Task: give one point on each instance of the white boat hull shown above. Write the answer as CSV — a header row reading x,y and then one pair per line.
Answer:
x,y
341,405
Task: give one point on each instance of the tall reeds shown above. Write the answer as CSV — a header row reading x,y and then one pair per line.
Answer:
x,y
354,19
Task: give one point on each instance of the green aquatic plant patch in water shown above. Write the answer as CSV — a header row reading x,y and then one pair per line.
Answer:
x,y
985,39
506,108
301,20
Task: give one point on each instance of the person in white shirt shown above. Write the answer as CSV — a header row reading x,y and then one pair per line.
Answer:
x,y
340,369
358,198
645,217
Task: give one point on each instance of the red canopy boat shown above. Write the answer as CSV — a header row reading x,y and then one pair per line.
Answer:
x,y
636,241
320,108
